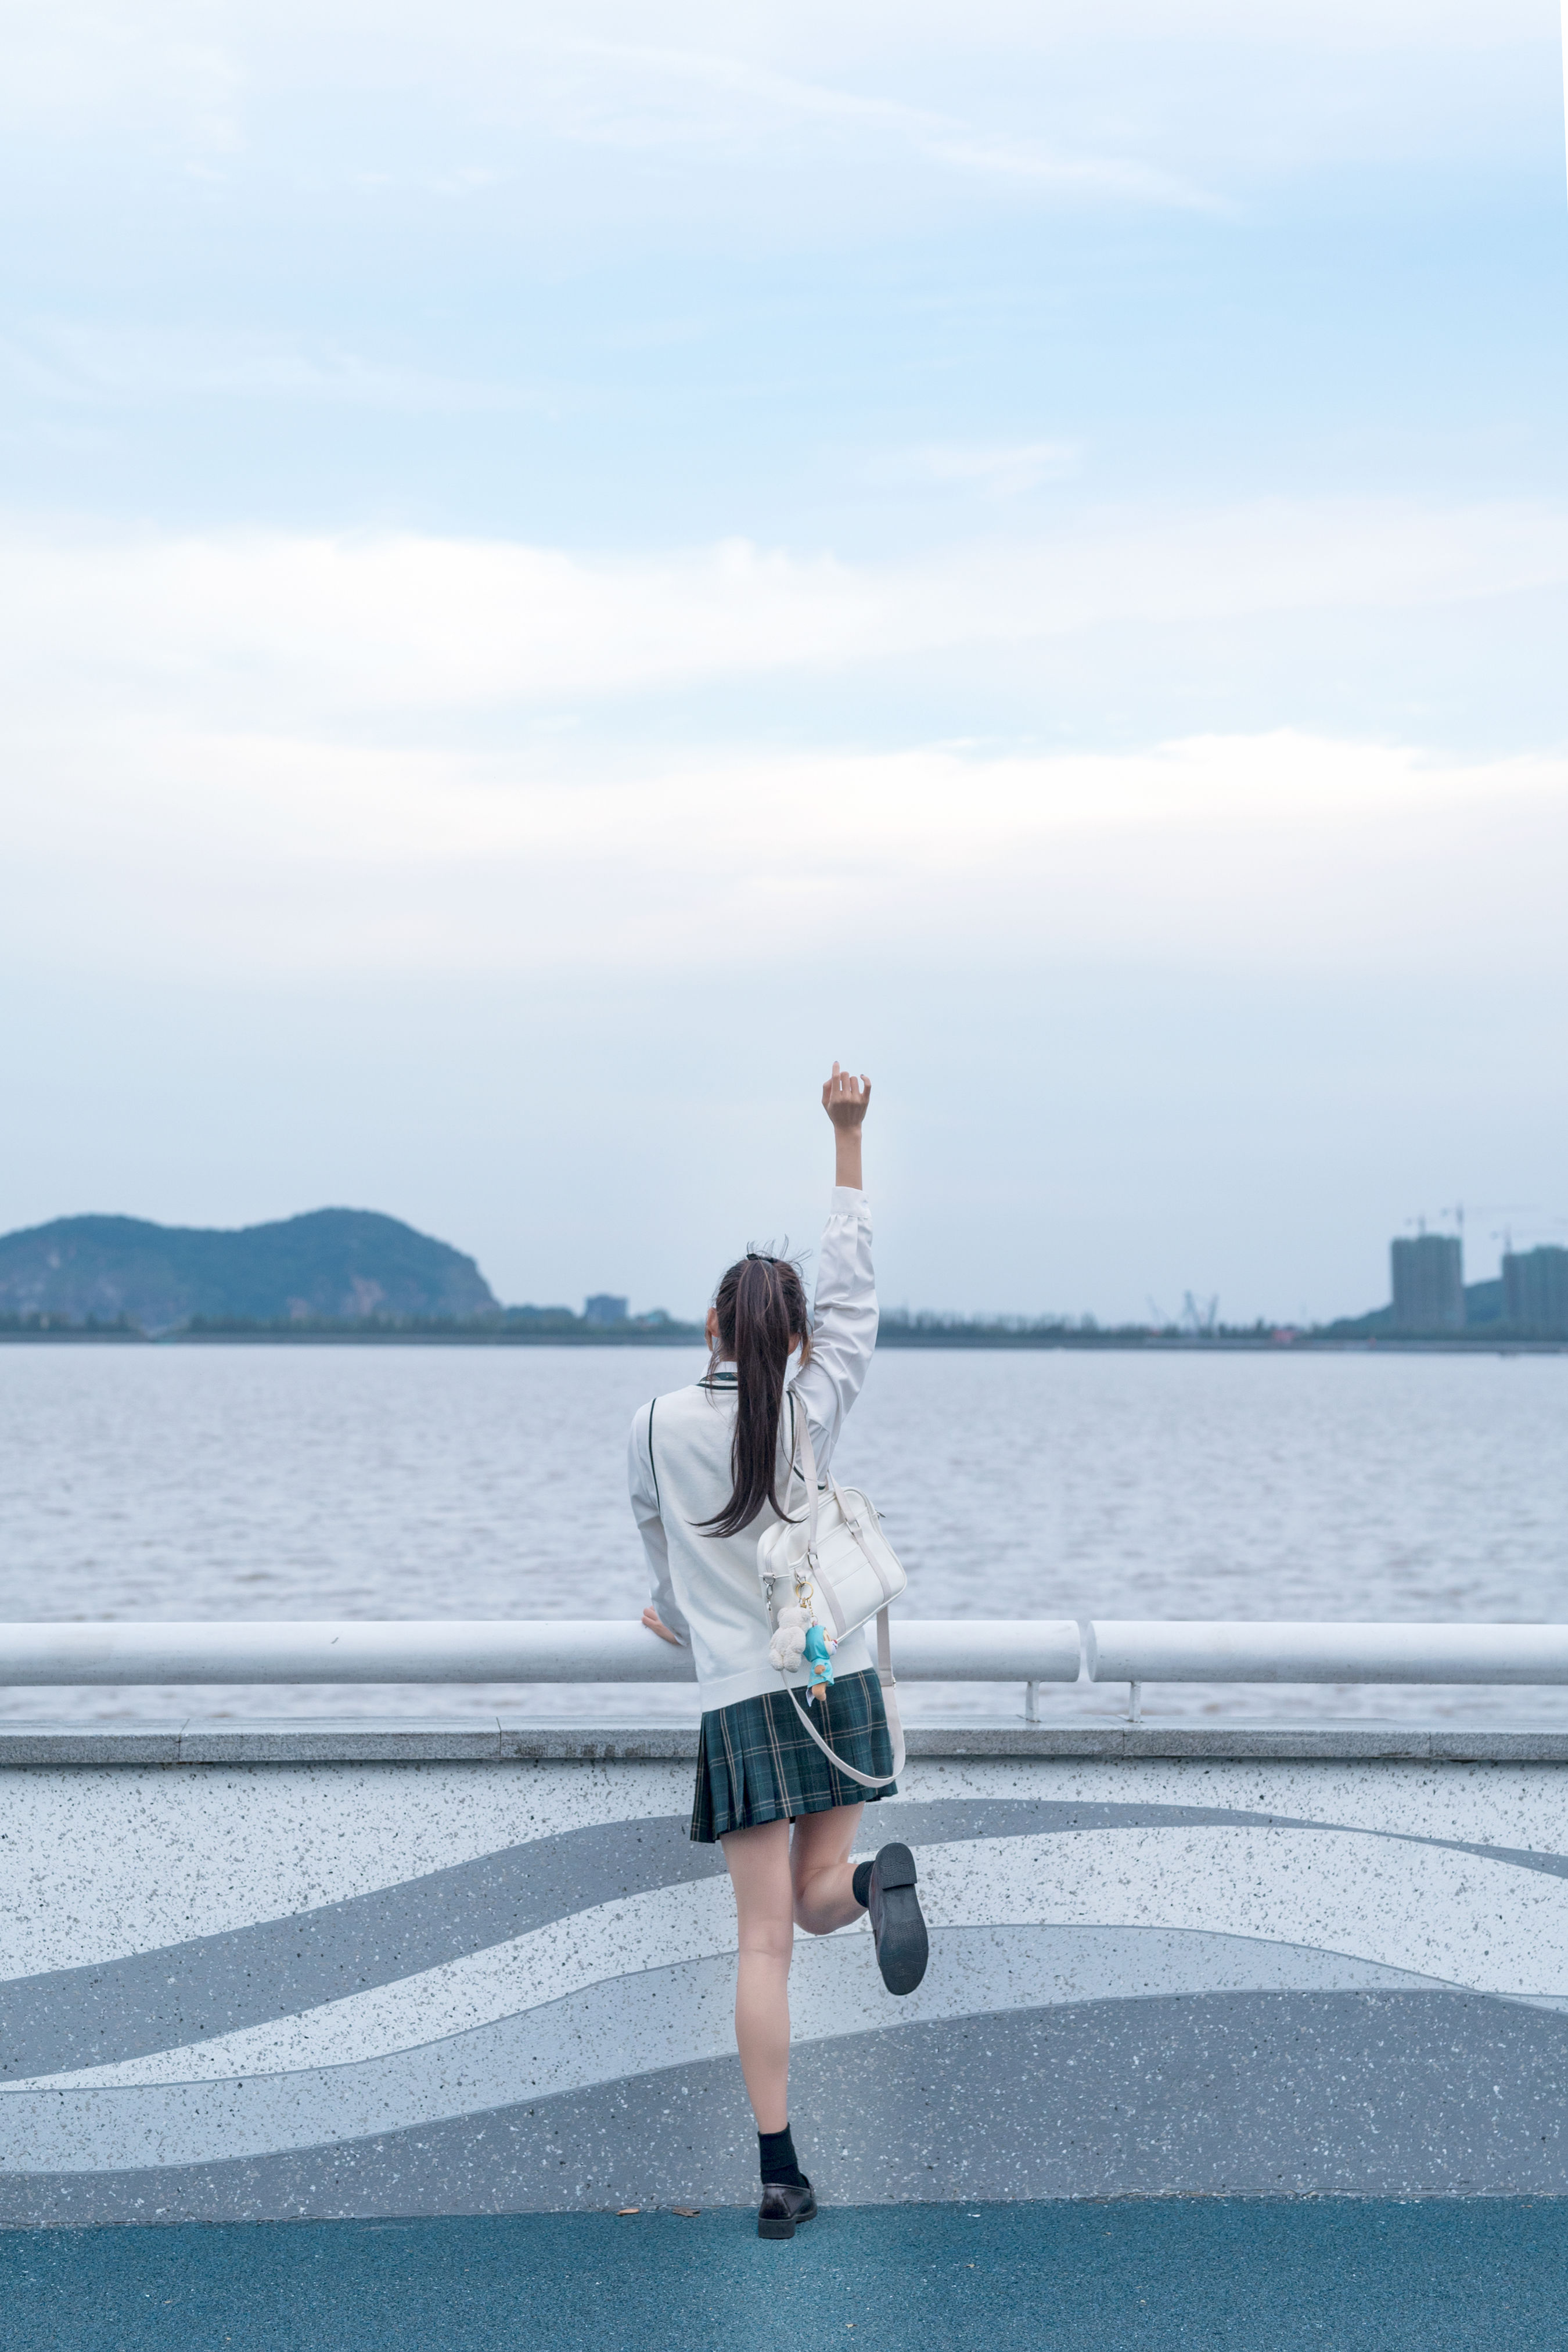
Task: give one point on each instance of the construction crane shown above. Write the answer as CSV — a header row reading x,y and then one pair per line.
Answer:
x,y
1491,1209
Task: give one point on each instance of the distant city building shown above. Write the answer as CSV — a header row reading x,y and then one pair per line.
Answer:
x,y
605,1309
1428,1283
1535,1291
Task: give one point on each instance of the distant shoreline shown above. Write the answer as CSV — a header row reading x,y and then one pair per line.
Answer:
x,y
356,1277
892,1337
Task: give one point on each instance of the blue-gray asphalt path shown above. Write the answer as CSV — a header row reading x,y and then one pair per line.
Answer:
x,y
1212,2274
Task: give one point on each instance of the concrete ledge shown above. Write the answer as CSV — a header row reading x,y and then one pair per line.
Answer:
x,y
78,1743
481,1739
597,1743
348,1739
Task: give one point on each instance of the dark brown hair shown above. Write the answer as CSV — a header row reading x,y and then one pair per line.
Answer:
x,y
760,1306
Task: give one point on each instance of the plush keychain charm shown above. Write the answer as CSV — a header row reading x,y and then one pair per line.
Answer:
x,y
817,1646
799,1643
788,1645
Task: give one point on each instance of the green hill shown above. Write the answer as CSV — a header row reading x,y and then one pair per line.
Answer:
x,y
331,1266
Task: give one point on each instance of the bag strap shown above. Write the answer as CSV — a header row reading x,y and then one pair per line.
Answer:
x,y
891,1706
801,1443
884,1640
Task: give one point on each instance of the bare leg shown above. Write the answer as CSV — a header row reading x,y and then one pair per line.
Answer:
x,y
819,1866
759,1866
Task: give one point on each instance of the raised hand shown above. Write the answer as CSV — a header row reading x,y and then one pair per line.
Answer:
x,y
845,1097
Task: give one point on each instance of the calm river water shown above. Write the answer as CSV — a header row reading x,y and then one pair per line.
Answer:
x,y
412,1482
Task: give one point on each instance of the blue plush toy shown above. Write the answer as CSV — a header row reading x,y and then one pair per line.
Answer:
x,y
817,1659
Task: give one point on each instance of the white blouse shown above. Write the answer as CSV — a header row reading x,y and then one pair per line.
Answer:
x,y
705,1588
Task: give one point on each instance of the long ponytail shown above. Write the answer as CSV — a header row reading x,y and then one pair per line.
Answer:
x,y
761,1307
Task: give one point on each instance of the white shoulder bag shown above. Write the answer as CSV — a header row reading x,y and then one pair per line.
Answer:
x,y
843,1572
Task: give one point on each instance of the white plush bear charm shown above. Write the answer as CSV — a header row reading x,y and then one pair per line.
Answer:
x,y
787,1647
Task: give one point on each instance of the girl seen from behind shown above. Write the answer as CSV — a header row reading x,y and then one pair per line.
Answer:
x,y
712,1467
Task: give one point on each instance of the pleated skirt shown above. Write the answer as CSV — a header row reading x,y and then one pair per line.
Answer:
x,y
756,1763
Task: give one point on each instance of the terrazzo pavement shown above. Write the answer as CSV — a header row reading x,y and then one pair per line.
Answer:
x,y
1206,2274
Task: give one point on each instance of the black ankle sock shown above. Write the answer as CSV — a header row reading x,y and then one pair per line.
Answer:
x,y
780,2169
860,1885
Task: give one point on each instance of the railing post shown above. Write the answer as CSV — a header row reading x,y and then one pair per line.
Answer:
x,y
1031,1702
1134,1702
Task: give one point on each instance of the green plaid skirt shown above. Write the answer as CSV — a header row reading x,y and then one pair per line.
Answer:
x,y
754,1762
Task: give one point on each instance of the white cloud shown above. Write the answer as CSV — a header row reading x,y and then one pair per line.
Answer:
x,y
269,754
224,855
281,630
1149,102
75,69
78,362
632,96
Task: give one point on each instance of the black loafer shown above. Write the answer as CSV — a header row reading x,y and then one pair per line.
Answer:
x,y
902,1948
783,2207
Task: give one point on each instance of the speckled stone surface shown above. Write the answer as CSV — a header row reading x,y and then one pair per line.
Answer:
x,y
261,1986
1190,2276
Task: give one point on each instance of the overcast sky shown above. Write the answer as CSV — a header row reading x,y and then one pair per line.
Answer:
x,y
561,567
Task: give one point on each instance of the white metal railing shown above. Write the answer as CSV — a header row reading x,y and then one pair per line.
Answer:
x,y
1030,1651
567,1650
1198,1650
1136,1650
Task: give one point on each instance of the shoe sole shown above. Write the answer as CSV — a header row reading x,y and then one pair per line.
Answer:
x,y
902,1948
784,2228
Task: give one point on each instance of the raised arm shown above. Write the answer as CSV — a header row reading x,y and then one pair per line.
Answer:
x,y
844,1100
845,1318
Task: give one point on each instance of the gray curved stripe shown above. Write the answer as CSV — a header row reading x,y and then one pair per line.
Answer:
x,y
1386,2094
973,1818
214,1984
187,1992
637,2023
193,1992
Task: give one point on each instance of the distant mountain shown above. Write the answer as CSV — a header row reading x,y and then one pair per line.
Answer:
x,y
332,1265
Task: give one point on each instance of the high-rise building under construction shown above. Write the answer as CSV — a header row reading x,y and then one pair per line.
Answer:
x,y
1428,1283
1535,1291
